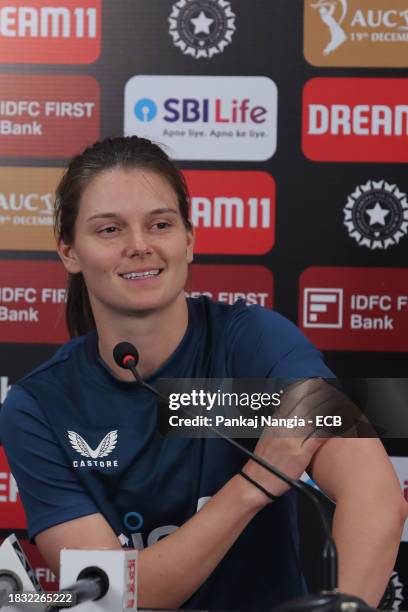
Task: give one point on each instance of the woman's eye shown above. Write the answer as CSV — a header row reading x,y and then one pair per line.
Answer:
x,y
108,230
161,225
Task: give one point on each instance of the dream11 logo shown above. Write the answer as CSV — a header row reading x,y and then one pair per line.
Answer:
x,y
355,120
233,212
38,32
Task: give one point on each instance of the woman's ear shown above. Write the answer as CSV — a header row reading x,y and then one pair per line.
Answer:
x,y
68,257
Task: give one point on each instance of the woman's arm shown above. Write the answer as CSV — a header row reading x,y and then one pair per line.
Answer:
x,y
173,568
370,512
357,474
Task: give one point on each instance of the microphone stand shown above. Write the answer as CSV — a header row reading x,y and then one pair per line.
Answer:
x,y
329,599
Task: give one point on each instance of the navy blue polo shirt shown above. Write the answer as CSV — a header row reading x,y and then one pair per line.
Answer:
x,y
81,441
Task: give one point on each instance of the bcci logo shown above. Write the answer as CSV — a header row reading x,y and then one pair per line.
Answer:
x,y
376,215
201,28
104,448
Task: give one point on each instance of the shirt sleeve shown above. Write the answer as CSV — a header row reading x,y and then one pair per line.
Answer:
x,y
49,490
265,344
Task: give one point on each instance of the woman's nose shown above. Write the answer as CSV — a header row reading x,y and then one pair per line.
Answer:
x,y
137,244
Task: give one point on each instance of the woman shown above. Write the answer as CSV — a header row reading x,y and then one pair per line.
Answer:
x,y
81,435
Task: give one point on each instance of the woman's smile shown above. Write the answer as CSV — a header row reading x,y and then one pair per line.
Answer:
x,y
142,276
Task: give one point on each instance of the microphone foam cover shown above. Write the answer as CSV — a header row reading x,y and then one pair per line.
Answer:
x,y
123,350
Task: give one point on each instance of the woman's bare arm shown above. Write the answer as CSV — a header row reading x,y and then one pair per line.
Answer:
x,y
173,568
370,512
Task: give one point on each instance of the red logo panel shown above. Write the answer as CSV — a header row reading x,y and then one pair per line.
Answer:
x,y
357,120
233,211
355,309
38,32
11,509
32,307
47,116
254,284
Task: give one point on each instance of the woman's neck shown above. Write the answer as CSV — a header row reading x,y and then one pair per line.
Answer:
x,y
155,335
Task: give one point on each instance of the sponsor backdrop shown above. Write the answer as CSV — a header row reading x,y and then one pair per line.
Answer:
x,y
289,119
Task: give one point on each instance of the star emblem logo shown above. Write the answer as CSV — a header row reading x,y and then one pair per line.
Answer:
x,y
202,24
201,28
377,214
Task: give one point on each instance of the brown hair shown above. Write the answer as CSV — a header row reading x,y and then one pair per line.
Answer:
x,y
121,152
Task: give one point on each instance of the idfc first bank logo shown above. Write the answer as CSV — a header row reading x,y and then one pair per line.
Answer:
x,y
38,32
214,118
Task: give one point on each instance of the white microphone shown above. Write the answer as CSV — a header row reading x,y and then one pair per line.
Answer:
x,y
101,580
16,573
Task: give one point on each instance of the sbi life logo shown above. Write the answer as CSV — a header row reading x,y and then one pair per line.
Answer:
x,y
191,110
145,110
204,117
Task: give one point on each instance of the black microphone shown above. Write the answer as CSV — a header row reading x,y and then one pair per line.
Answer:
x,y
92,584
126,356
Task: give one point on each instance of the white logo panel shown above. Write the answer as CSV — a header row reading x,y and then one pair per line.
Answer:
x,y
204,117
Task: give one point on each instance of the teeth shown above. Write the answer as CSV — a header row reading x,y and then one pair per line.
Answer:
x,y
131,275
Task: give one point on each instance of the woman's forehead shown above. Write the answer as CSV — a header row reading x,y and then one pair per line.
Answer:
x,y
122,187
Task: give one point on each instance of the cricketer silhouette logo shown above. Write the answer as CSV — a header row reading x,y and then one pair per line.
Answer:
x,y
104,448
356,33
332,13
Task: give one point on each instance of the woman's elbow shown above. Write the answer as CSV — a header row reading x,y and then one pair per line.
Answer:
x,y
394,516
402,510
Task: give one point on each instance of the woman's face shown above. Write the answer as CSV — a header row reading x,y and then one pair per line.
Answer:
x,y
130,243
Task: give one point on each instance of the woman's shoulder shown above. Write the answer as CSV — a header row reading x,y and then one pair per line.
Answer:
x,y
64,353
261,342
237,315
19,397
203,307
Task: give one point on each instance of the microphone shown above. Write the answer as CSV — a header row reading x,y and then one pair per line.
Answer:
x,y
16,573
126,356
92,584
99,580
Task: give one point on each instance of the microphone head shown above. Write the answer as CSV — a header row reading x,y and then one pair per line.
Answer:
x,y
125,355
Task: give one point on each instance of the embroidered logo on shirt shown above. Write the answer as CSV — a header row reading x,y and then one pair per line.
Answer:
x,y
104,448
